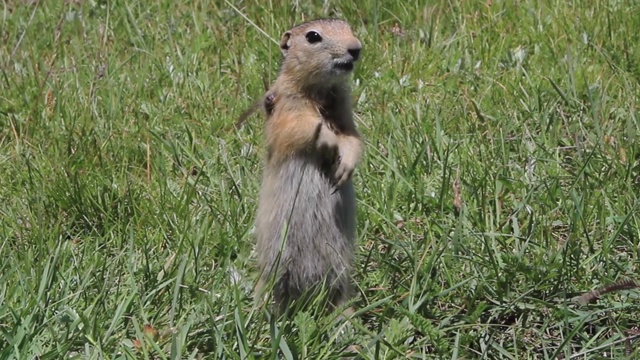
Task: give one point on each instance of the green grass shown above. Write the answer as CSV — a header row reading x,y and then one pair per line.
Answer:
x,y
501,179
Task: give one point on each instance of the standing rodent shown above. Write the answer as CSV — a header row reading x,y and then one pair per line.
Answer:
x,y
306,221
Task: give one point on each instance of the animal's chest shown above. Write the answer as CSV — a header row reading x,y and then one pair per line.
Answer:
x,y
332,117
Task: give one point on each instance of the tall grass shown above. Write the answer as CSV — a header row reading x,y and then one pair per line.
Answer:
x,y
500,180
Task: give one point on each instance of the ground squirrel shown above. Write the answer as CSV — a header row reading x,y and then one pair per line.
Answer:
x,y
306,218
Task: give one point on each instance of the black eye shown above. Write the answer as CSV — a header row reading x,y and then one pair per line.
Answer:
x,y
313,37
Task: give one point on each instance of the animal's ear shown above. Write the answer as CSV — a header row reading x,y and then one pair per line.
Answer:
x,y
284,43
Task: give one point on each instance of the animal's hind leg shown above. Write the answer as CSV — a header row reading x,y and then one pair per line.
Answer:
x,y
340,296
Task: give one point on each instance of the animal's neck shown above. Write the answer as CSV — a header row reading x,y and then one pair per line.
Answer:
x,y
333,100
320,92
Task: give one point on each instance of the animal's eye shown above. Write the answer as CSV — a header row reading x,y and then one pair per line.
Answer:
x,y
313,37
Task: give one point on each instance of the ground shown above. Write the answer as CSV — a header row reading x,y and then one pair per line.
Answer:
x,y
500,179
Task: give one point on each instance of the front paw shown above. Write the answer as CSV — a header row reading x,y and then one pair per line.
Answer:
x,y
343,172
325,138
327,145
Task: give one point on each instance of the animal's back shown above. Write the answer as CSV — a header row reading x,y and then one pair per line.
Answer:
x,y
317,227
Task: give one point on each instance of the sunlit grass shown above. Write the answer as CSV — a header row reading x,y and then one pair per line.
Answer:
x,y
500,179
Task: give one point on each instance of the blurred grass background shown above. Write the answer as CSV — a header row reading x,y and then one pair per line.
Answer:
x,y
500,179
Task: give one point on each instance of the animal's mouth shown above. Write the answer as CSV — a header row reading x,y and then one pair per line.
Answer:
x,y
346,65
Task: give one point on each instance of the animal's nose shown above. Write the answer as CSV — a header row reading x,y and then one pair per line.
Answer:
x,y
355,53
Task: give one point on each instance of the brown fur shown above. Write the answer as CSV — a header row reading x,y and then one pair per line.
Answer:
x,y
305,224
